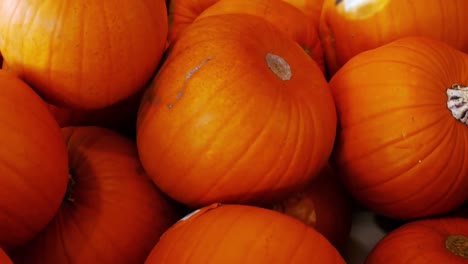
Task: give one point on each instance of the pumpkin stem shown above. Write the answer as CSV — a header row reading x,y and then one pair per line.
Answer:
x,y
457,102
458,245
278,66
70,187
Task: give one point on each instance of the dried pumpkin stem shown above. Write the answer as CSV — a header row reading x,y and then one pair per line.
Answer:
x,y
458,245
279,66
457,102
70,188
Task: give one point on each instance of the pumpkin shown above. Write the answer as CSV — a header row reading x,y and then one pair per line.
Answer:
x,y
349,27
238,113
83,54
323,204
112,212
4,258
402,127
283,15
438,240
232,233
33,158
311,8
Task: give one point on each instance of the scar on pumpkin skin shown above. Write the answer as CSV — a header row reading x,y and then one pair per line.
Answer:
x,y
180,93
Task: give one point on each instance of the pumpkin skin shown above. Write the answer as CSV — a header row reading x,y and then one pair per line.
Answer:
x,y
73,54
284,16
241,234
33,170
4,258
112,212
323,204
348,28
226,124
311,8
399,149
424,241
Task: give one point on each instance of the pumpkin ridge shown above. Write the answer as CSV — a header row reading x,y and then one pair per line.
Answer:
x,y
243,154
389,143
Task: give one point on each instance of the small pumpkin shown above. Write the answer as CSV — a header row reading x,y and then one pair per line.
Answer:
x,y
348,27
112,212
238,113
283,15
83,54
242,234
438,240
4,258
323,204
33,163
403,127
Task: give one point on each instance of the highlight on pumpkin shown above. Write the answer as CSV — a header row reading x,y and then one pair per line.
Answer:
x,y
360,8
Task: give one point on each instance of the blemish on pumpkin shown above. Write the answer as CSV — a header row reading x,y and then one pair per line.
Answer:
x,y
180,93
307,50
457,244
278,66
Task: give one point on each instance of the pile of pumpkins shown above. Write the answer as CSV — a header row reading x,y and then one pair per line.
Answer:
x,y
232,131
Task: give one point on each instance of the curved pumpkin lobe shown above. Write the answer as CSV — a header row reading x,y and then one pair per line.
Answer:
x,y
457,102
279,66
458,245
359,9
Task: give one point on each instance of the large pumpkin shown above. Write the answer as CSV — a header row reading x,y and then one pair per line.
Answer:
x,y
112,212
323,204
283,15
403,129
234,234
349,27
440,240
238,113
83,54
33,163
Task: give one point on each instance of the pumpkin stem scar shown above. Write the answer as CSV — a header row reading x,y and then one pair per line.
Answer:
x,y
278,66
457,244
180,93
457,102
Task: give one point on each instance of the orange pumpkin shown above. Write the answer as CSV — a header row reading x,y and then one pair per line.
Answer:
x,y
312,9
83,54
235,118
322,204
112,212
4,258
403,135
33,163
349,27
440,240
283,15
241,234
